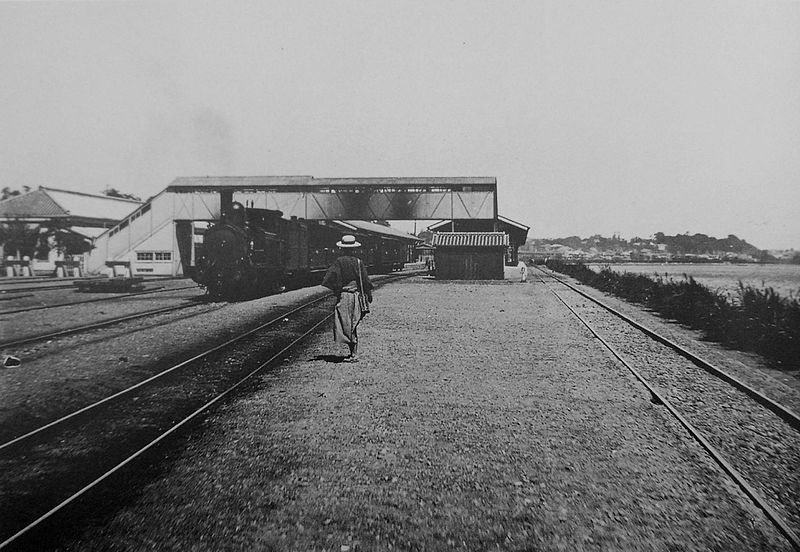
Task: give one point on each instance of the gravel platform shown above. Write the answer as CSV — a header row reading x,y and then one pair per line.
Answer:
x,y
481,416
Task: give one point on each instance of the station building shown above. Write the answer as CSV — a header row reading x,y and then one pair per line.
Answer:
x,y
470,255
517,233
46,228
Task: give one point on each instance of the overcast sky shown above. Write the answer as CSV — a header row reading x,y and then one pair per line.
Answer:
x,y
596,117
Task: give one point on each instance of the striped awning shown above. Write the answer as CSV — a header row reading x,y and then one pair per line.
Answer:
x,y
469,239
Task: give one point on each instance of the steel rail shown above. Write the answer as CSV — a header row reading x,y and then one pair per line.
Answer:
x,y
62,283
785,413
177,366
3,298
48,284
93,326
754,496
112,321
13,280
97,299
35,288
154,377
160,438
10,540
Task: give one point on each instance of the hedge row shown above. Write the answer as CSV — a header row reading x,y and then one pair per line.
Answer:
x,y
755,319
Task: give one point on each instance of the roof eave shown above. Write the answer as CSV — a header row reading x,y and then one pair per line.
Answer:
x,y
513,223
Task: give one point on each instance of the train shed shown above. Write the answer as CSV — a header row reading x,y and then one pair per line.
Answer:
x,y
469,255
162,236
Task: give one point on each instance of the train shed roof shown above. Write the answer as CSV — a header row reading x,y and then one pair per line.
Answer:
x,y
381,229
186,184
375,228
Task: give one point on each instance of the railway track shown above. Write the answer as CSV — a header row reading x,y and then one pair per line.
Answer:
x,y
753,438
74,456
19,285
43,287
97,299
35,338
12,298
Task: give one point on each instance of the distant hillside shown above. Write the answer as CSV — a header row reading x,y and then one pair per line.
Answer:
x,y
700,244
659,247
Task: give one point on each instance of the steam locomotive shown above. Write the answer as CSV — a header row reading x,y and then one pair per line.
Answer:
x,y
252,252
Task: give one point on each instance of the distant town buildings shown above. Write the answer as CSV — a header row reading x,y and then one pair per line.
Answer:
x,y
659,249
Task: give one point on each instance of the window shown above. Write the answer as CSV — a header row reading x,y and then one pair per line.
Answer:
x,y
150,256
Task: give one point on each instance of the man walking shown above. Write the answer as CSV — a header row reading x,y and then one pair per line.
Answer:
x,y
348,279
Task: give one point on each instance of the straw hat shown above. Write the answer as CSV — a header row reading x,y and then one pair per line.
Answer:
x,y
348,241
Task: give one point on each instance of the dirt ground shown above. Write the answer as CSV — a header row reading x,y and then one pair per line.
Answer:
x,y
481,416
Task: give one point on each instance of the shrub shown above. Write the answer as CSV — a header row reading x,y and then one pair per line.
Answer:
x,y
755,319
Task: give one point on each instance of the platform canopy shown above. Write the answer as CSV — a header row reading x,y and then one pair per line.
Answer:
x,y
424,198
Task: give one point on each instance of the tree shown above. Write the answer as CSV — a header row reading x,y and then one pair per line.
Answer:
x,y
19,239
113,192
765,257
8,192
22,239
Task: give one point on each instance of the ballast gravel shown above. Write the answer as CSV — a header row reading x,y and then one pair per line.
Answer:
x,y
480,416
757,443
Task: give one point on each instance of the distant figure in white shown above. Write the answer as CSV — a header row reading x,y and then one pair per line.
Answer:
x,y
523,271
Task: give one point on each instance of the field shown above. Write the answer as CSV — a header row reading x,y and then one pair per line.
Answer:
x,y
783,278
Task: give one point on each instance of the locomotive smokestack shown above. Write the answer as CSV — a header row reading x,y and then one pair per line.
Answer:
x,y
225,202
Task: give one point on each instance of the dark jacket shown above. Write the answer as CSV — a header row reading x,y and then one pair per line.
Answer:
x,y
345,270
